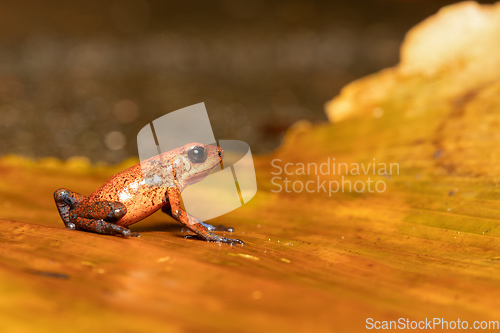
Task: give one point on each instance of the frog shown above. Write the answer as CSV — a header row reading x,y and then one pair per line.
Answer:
x,y
132,195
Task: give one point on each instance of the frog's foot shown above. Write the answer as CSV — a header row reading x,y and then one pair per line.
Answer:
x,y
224,240
220,227
203,233
229,241
103,227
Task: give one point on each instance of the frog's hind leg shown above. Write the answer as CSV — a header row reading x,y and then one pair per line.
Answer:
x,y
101,217
67,200
103,227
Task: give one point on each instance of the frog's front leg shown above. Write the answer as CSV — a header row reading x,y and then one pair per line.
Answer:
x,y
167,210
173,208
101,217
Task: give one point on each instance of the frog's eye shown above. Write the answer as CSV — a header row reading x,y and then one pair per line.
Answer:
x,y
197,154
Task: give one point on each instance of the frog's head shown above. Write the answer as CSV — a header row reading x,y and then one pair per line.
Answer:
x,y
194,161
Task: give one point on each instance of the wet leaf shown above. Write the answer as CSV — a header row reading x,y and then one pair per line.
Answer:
x,y
426,246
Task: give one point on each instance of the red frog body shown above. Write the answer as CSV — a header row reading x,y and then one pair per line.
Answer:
x,y
139,191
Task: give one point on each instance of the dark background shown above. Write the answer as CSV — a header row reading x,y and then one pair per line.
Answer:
x,y
83,77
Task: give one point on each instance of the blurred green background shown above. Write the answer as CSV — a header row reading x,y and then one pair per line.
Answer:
x,y
83,77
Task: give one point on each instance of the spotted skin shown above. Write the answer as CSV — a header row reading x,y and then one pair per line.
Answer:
x,y
134,194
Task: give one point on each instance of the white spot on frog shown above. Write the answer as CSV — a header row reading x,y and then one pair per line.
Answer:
x,y
131,190
124,195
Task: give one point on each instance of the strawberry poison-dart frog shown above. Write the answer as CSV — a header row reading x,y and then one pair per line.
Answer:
x,y
141,190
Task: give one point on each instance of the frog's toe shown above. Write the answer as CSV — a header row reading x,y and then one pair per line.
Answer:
x,y
229,241
70,226
128,234
217,239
